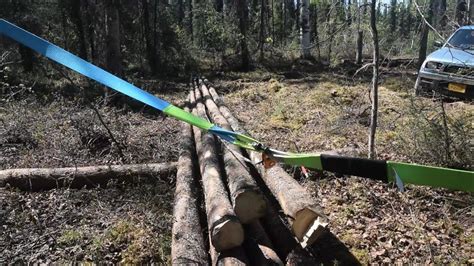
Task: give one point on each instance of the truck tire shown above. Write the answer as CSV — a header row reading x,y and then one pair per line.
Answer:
x,y
419,90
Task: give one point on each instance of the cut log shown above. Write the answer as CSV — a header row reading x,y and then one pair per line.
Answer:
x,y
307,219
278,232
36,179
247,200
231,257
233,122
258,246
187,246
224,226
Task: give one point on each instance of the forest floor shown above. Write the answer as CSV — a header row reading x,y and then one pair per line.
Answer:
x,y
320,111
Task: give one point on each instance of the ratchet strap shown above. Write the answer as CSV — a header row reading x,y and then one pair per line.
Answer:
x,y
373,169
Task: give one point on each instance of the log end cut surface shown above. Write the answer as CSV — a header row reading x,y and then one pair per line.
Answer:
x,y
308,220
250,205
227,235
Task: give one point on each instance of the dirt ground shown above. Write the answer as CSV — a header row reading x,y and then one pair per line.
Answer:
x,y
312,112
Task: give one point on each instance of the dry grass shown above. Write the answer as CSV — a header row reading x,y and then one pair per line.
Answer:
x,y
132,224
330,114
378,223
128,223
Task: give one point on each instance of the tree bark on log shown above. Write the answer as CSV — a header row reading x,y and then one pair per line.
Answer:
x,y
231,257
225,229
187,246
307,219
247,200
35,179
258,246
278,232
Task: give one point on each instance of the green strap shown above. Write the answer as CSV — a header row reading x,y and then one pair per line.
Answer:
x,y
187,117
431,176
312,161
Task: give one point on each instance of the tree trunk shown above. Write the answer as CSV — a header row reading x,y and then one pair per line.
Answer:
x,y
307,220
247,200
64,26
360,46
305,30
297,14
149,39
360,38
90,11
76,17
273,21
180,12
189,18
329,32
225,230
283,23
243,21
314,31
187,244
471,12
31,24
393,17
195,22
461,8
375,81
262,29
36,179
424,35
114,55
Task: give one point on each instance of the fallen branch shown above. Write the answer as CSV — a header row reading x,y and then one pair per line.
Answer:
x,y
187,246
225,229
36,179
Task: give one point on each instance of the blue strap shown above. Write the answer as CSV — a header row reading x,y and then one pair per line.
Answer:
x,y
75,63
89,70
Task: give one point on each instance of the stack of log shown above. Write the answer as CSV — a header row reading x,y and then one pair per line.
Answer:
x,y
253,216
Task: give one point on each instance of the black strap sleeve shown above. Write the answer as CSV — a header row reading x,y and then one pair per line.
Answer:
x,y
373,169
